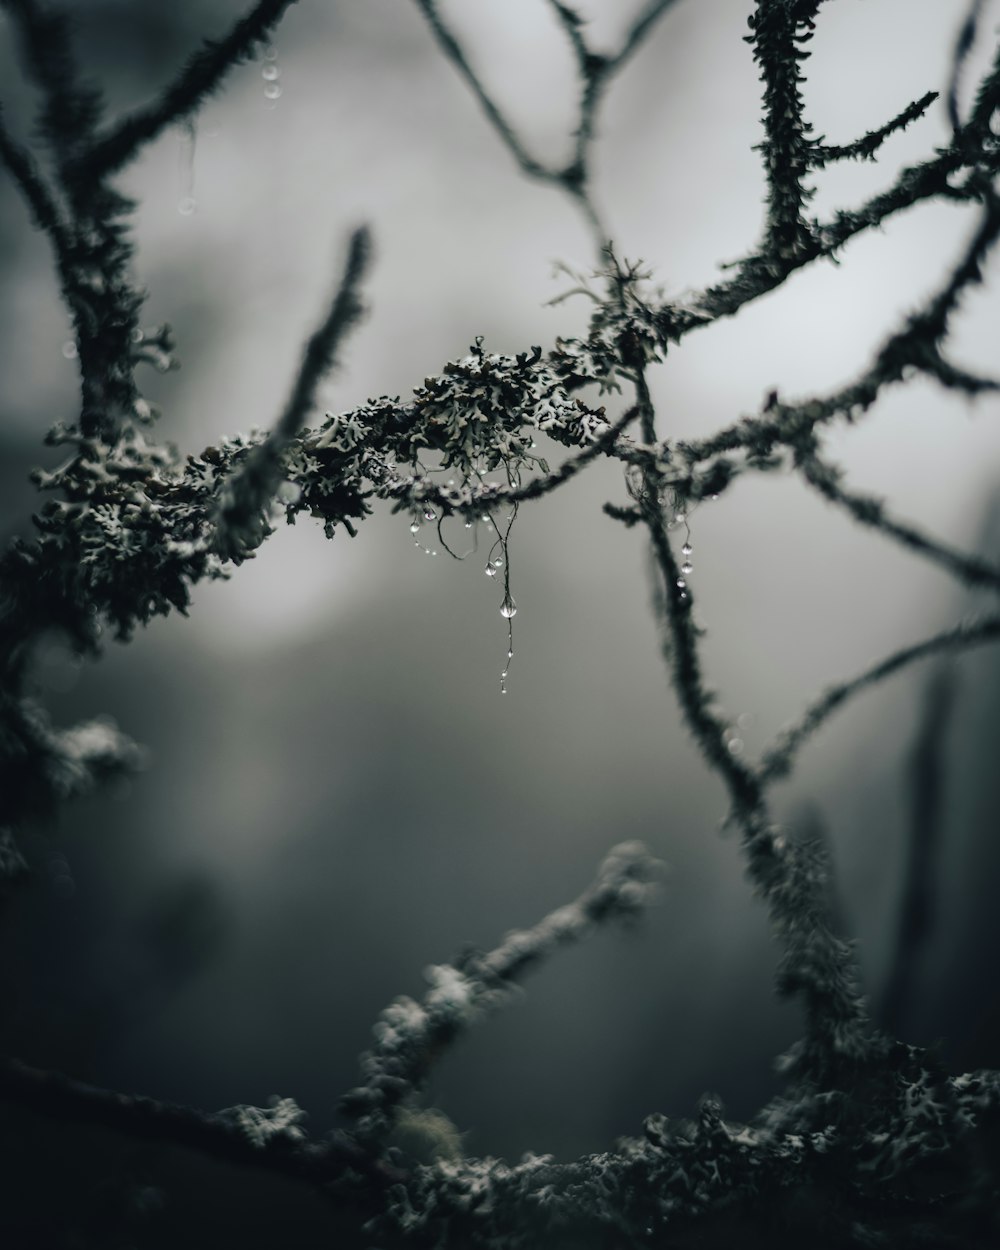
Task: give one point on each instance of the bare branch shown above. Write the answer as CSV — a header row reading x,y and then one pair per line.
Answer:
x,y
866,147
870,511
777,759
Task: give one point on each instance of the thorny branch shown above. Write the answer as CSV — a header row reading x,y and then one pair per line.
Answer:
x,y
134,527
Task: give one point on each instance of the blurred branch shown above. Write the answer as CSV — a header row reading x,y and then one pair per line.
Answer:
x,y
242,523
777,759
963,46
269,1139
866,147
201,77
916,914
870,511
411,1036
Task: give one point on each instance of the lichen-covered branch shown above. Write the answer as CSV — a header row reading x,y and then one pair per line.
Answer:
x,y
411,1036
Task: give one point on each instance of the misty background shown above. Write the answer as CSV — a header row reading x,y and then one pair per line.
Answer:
x,y
337,794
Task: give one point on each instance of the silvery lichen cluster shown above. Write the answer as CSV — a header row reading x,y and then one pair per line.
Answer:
x,y
871,1142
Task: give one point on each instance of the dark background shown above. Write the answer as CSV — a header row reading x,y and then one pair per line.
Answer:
x,y
337,794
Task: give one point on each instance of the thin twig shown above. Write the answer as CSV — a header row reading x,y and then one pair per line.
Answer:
x,y
963,46
870,511
240,525
777,759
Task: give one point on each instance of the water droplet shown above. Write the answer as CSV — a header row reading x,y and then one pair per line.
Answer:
x,y
680,517
186,205
272,91
503,689
270,52
735,746
687,549
684,594
687,567
498,563
137,335
69,350
490,571
713,497
270,72
430,514
468,525
681,582
508,608
415,528
510,655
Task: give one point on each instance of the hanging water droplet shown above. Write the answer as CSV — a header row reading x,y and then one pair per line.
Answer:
x,y
415,528
272,91
681,582
430,514
735,746
490,571
687,567
713,497
679,517
69,349
498,563
270,52
687,549
468,525
508,608
510,655
270,72
186,205
137,335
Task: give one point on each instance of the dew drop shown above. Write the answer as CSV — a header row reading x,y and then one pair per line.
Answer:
x,y
186,205
681,582
468,525
508,608
490,571
270,72
687,567
687,549
510,655
270,52
272,91
415,528
680,518
137,335
498,563
69,349
735,746
430,514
